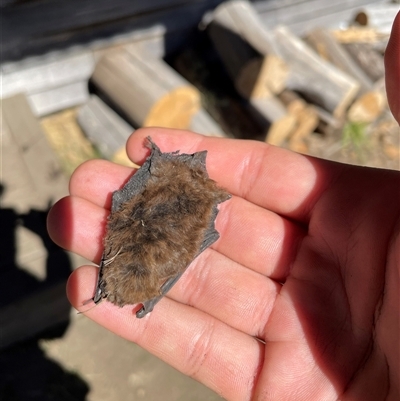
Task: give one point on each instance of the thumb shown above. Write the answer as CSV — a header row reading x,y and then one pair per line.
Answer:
x,y
392,67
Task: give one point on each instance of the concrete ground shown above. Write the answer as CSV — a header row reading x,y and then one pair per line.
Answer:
x,y
48,351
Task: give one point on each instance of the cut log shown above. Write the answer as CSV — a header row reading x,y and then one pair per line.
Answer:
x,y
306,119
68,140
246,49
104,127
316,79
360,34
306,123
370,60
203,123
306,115
146,89
271,112
367,108
379,16
329,49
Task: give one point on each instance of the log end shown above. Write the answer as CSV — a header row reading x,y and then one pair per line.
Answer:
x,y
175,109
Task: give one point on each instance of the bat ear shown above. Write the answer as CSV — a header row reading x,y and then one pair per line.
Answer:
x,y
199,159
151,145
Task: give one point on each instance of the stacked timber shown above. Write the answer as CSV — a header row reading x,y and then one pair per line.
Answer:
x,y
250,58
262,63
148,92
371,100
321,82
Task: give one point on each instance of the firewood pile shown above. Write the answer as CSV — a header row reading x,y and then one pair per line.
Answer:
x,y
326,80
313,93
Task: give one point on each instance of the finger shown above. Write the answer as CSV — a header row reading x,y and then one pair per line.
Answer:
x,y
96,180
213,283
269,241
231,293
222,358
274,178
78,225
392,67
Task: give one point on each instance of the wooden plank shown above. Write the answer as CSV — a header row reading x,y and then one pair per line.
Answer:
x,y
316,79
149,91
57,99
103,126
35,27
39,74
46,176
33,18
18,189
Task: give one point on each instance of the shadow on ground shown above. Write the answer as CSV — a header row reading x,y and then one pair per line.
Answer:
x,y
27,316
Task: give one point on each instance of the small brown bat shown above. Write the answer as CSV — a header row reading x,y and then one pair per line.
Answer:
x,y
160,221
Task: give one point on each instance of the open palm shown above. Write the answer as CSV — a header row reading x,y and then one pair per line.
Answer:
x,y
298,300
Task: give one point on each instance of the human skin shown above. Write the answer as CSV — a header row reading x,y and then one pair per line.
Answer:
x,y
298,299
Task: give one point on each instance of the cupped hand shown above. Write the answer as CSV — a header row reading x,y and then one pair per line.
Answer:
x,y
298,299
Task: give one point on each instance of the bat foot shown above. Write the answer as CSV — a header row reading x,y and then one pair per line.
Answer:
x,y
147,307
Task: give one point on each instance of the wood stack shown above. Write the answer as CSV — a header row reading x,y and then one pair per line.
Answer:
x,y
258,73
309,81
351,59
291,85
263,63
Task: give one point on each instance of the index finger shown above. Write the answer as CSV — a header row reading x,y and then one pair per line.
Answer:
x,y
282,181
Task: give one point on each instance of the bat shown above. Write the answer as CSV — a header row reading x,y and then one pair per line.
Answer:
x,y
160,221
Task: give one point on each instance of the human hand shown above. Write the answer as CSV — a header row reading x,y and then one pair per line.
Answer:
x,y
307,262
